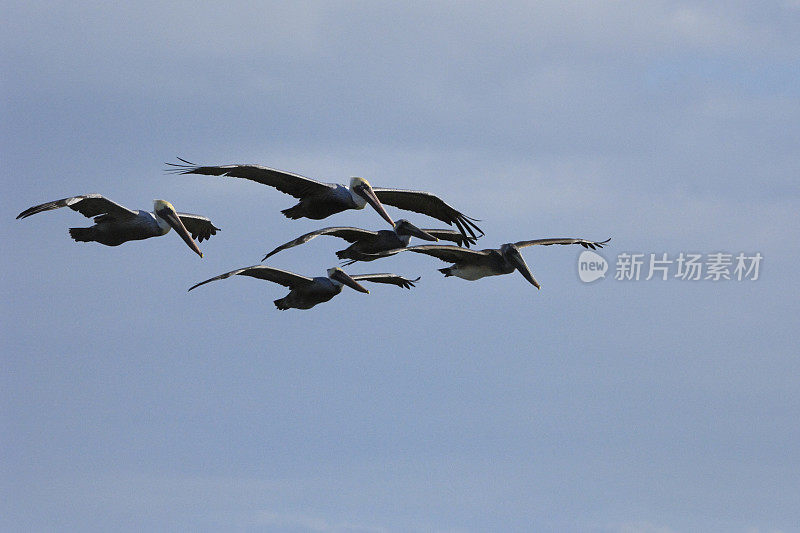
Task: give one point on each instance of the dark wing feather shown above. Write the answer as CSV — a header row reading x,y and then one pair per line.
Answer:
x,y
451,254
347,233
89,205
373,256
392,279
452,235
428,204
567,240
282,277
199,226
286,182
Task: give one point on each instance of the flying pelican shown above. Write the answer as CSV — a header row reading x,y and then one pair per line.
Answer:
x,y
320,200
476,264
365,242
307,292
115,224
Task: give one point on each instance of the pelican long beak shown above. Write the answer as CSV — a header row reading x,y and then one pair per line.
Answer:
x,y
369,195
174,220
419,233
517,260
342,277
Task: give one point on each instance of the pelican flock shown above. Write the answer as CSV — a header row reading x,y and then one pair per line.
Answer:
x,y
115,224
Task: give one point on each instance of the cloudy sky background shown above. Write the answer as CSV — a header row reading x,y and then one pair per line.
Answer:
x,y
130,404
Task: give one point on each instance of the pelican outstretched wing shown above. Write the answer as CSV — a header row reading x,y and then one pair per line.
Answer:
x,y
286,182
428,204
347,233
392,279
441,234
452,235
282,277
451,254
199,226
89,205
567,240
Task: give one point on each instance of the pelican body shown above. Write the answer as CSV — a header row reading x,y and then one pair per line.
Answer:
x,y
306,292
321,289
473,265
319,200
337,199
492,263
116,224
366,244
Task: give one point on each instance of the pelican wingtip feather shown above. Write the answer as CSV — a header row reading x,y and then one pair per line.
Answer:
x,y
184,167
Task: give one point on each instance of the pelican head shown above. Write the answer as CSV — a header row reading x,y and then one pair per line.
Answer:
x,y
363,189
404,227
338,275
512,255
163,210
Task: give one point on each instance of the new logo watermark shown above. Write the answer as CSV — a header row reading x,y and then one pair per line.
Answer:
x,y
591,266
686,266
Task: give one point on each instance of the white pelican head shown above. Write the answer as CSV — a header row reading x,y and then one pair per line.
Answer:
x,y
362,194
338,275
165,213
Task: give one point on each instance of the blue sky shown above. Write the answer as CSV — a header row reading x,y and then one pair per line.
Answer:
x,y
649,406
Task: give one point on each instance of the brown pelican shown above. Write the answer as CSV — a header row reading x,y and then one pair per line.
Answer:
x,y
476,264
365,242
319,200
115,224
307,292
